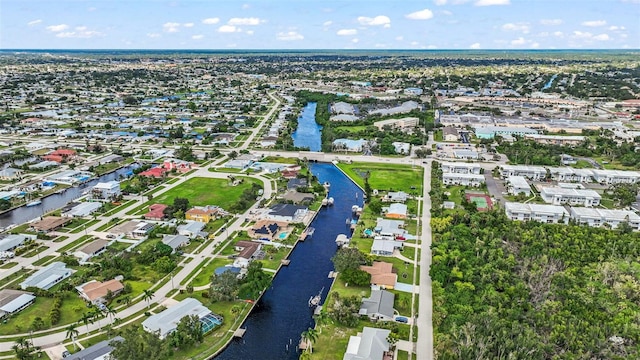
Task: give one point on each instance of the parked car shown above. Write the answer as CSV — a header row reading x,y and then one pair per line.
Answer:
x,y
66,353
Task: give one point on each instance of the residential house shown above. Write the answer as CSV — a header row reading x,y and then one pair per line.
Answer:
x,y
175,241
166,322
156,172
60,155
383,246
97,292
91,250
48,276
268,229
10,174
462,179
536,212
605,217
349,145
535,173
83,209
12,241
370,344
295,183
106,190
99,351
396,211
392,228
298,197
14,301
204,213
561,196
249,250
49,223
396,197
132,229
401,147
192,229
378,306
179,165
287,212
518,185
156,212
382,275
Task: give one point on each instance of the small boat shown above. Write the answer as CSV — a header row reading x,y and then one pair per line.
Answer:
x,y
326,184
330,201
315,300
325,202
34,203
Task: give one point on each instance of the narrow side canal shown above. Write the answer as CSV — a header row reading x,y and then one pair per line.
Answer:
x,y
283,313
307,135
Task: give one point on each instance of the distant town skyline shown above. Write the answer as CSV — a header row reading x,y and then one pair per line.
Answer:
x,y
311,24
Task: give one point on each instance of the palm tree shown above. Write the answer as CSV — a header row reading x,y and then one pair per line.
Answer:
x,y
72,332
235,310
87,319
321,319
96,315
147,295
110,312
310,336
23,349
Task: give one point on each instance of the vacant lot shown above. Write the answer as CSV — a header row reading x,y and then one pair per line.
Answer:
x,y
387,177
205,191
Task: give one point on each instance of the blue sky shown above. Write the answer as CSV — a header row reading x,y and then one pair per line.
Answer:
x,y
312,24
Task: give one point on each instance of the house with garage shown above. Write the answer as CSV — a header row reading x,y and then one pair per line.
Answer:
x,y
106,190
378,306
370,344
204,214
384,247
192,229
98,292
14,301
156,212
48,276
175,241
395,211
382,275
248,251
91,250
164,323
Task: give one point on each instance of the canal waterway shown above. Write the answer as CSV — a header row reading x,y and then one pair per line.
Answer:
x,y
56,201
307,135
283,313
550,82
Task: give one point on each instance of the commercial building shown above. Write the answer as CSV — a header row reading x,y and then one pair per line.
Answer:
x,y
164,323
462,179
555,139
535,173
489,132
561,196
47,277
518,185
536,212
407,123
465,154
605,217
460,168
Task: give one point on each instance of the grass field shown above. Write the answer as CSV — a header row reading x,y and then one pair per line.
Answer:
x,y
204,277
206,191
71,311
387,177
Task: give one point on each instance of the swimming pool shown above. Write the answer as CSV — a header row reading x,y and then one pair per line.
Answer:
x,y
283,235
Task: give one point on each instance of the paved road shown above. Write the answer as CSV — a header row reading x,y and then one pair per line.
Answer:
x,y
424,345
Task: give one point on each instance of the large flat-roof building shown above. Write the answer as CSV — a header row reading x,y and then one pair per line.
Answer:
x,y
518,185
406,123
616,176
462,179
555,139
570,174
536,212
489,132
601,217
460,167
561,196
530,172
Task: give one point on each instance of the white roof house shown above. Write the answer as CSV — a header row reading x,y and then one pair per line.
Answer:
x,y
462,179
599,217
570,174
371,344
106,190
167,321
536,212
175,241
13,301
12,241
530,172
191,229
560,196
48,276
460,167
396,210
396,196
386,227
384,247
616,176
518,185
83,209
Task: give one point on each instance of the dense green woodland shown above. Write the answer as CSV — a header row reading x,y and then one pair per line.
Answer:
x,y
527,290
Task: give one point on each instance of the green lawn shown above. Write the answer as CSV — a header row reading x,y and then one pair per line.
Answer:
x,y
204,276
280,160
71,311
387,177
75,244
351,129
9,265
43,260
206,191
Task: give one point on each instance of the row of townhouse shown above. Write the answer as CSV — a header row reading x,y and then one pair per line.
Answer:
x,y
581,215
538,173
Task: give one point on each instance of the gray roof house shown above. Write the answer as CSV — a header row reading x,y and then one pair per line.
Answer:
x,y
192,229
48,276
378,306
287,212
13,301
167,321
387,227
384,247
99,351
12,241
10,173
370,344
175,241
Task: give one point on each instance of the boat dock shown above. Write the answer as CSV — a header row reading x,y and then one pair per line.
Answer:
x,y
285,262
239,333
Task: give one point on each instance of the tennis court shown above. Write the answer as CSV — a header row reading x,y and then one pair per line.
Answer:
x,y
482,201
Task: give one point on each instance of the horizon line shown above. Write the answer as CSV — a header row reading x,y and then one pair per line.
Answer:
x,y
320,49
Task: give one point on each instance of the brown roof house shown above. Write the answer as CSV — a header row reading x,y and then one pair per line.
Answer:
x,y
382,275
96,292
94,248
50,223
249,250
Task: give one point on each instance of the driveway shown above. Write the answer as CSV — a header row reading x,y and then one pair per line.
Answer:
x,y
495,188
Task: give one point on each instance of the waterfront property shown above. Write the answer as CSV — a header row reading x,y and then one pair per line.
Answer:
x,y
382,275
371,344
83,209
49,223
378,306
248,251
383,246
536,212
106,190
164,323
48,276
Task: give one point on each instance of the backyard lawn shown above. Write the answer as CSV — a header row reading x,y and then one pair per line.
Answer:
x,y
206,191
71,311
387,177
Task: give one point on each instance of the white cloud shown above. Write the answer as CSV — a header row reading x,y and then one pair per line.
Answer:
x,y
228,29
246,6
425,14
327,23
197,37
289,36
399,38
582,34
171,27
91,9
594,23
153,35
34,22
602,37
81,32
187,25
355,41
57,28
431,47
380,20
440,2
474,46
535,45
615,28
347,32
522,27
211,21
245,21
492,2
415,43
249,32
558,34
551,21
519,41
